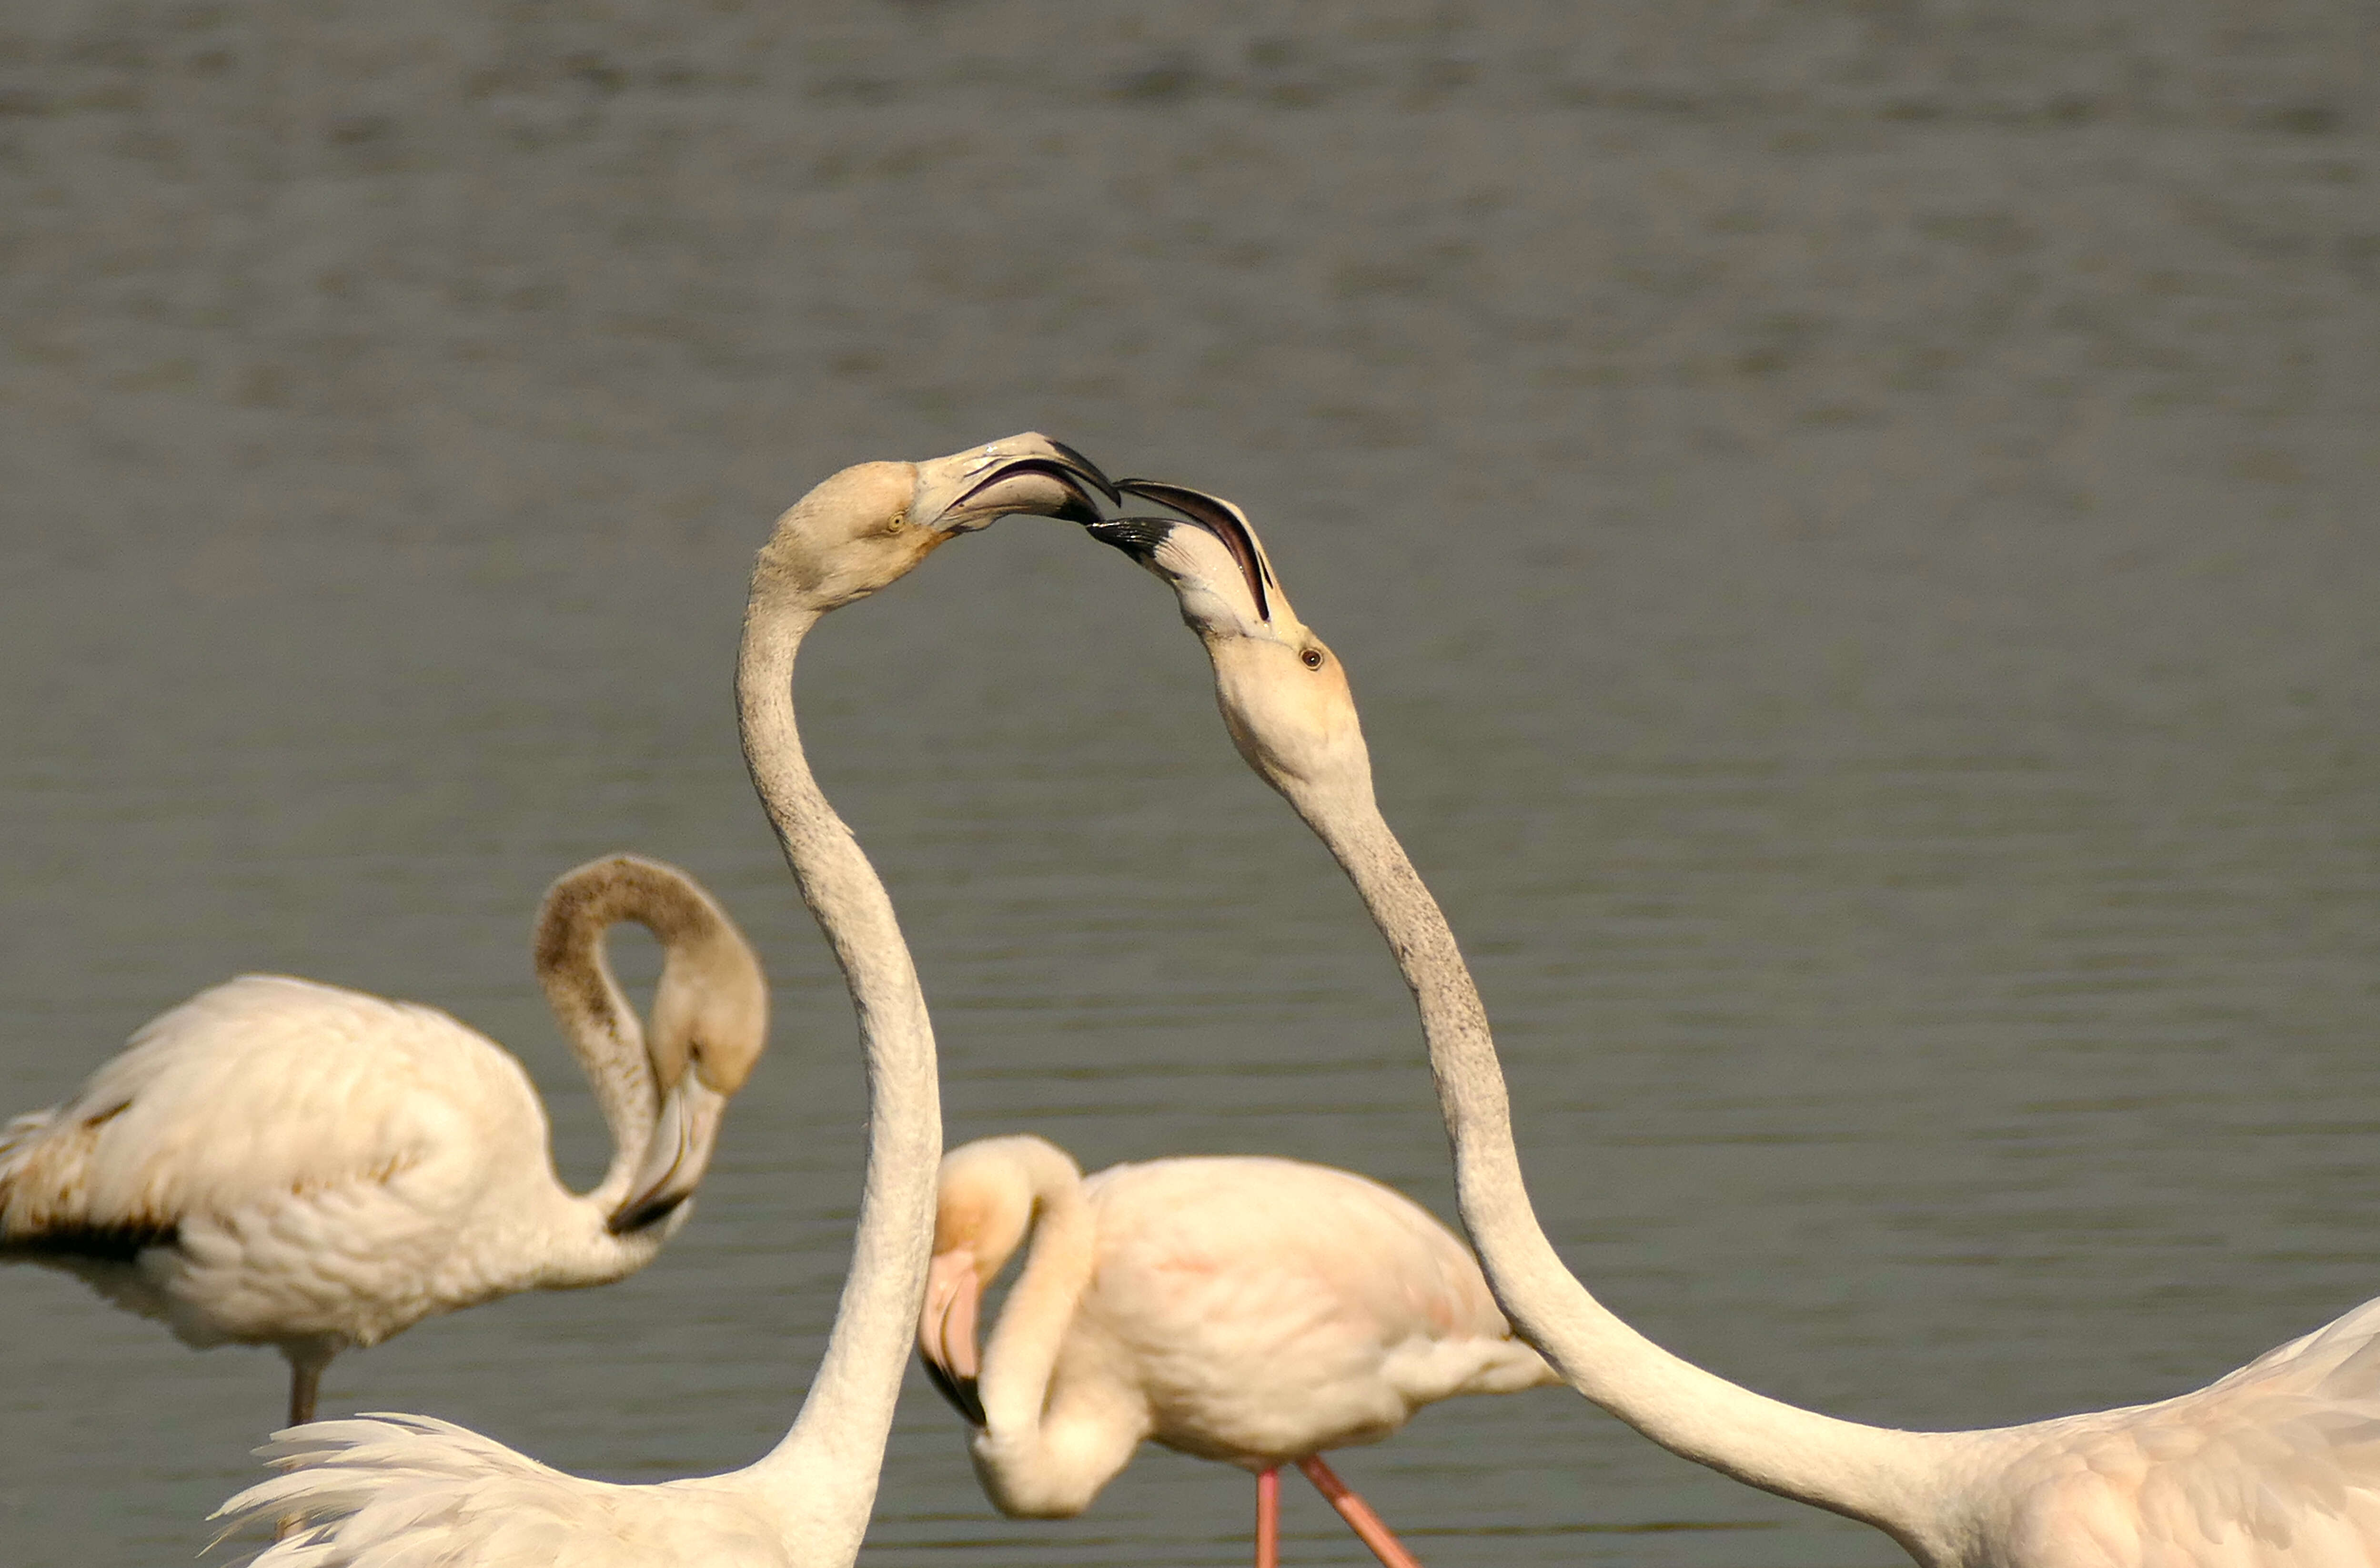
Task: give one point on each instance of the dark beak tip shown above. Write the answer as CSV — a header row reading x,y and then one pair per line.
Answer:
x,y
973,1409
1137,537
1078,506
961,1392
628,1222
1088,470
1219,518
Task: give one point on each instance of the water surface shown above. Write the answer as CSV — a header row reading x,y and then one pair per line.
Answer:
x,y
1850,524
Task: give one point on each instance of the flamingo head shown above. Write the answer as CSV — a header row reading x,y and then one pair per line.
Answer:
x,y
710,1025
710,1019
864,527
987,1198
1283,693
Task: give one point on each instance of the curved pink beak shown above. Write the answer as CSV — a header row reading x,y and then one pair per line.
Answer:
x,y
946,1331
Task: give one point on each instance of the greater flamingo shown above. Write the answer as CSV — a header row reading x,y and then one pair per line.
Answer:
x,y
277,1161
2276,1466
395,1492
1251,1311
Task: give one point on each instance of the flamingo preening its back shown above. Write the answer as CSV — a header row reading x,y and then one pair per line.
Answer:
x,y
277,1161
1252,1310
401,1492
2276,1466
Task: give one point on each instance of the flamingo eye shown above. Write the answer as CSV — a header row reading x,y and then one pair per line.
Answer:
x,y
1312,658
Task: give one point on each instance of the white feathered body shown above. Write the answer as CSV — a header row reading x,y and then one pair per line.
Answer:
x,y
1267,1309
280,1162
2276,1466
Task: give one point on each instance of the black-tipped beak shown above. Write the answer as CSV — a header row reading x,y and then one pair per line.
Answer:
x,y
1139,537
1072,474
960,1391
1087,469
1021,473
635,1217
686,1133
946,1337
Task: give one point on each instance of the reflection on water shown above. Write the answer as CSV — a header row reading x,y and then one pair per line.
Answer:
x,y
1849,526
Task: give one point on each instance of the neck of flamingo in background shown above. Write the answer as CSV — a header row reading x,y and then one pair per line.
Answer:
x,y
609,1042
1880,1476
823,1475
1023,1350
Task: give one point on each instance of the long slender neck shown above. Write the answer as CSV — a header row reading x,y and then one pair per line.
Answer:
x,y
823,1475
1022,1351
1047,1447
576,971
1884,1476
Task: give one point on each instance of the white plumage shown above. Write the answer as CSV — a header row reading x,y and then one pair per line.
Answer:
x,y
425,1493
1253,1310
403,1491
278,1161
2276,1466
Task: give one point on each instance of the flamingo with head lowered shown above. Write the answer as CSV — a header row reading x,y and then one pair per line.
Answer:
x,y
405,1491
2276,1465
1251,1311
277,1161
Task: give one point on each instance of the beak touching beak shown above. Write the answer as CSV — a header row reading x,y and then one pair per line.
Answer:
x,y
683,1136
1144,537
946,1333
1022,473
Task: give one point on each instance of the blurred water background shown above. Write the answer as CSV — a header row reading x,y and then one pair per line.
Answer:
x,y
1852,522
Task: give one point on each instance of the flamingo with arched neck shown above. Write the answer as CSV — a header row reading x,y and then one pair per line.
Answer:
x,y
278,1161
1252,1310
2276,1465
407,1490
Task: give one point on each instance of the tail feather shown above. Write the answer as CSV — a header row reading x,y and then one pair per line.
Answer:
x,y
381,1491
16,1140
46,1185
19,1129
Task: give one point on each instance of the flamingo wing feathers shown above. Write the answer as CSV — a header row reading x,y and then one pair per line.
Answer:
x,y
262,1087
1301,1241
2276,1466
306,1152
1276,1308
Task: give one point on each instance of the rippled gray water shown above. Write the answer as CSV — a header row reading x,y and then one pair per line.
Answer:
x,y
1850,522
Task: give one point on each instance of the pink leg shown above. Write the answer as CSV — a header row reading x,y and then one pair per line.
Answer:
x,y
1269,1519
1358,1514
